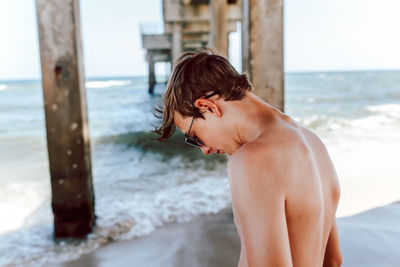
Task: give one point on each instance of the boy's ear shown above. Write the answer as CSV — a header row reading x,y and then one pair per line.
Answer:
x,y
207,105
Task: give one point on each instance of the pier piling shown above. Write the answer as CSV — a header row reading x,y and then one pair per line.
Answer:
x,y
218,21
66,117
262,48
152,74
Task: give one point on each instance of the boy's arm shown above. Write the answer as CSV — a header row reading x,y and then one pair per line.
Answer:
x,y
333,257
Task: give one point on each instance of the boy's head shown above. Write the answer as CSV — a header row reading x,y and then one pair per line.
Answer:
x,y
194,76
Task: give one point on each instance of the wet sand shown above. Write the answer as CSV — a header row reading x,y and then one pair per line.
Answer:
x,y
371,238
210,240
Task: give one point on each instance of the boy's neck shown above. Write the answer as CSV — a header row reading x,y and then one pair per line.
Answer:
x,y
251,117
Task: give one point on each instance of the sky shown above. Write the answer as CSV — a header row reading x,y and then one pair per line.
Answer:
x,y
319,35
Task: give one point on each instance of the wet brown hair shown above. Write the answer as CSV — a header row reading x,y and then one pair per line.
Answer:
x,y
194,75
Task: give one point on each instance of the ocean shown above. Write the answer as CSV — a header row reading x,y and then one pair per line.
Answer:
x,y
141,184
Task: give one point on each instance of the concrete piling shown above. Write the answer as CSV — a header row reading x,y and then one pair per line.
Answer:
x,y
152,74
219,35
262,48
66,117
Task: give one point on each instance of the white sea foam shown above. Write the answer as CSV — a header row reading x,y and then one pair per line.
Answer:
x,y
3,87
133,198
110,83
382,122
392,110
118,218
323,123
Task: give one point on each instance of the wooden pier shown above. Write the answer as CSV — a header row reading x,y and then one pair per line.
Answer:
x,y
186,27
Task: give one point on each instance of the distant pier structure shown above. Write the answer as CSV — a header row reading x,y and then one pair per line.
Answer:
x,y
191,24
188,25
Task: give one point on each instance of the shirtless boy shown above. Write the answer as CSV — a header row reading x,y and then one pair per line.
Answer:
x,y
284,187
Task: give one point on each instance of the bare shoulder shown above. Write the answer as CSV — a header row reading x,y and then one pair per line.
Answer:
x,y
270,151
272,160
251,159
262,163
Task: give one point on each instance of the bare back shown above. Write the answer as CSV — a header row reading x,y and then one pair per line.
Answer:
x,y
311,203
311,189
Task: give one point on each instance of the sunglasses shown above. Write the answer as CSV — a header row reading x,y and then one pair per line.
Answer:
x,y
194,141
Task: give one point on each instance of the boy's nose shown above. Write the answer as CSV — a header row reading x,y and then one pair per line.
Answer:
x,y
206,150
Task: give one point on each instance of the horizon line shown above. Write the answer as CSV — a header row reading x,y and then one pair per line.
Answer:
x,y
145,75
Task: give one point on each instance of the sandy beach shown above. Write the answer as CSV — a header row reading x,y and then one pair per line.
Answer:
x,y
370,238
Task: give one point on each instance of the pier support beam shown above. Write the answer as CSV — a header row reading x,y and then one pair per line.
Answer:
x,y
176,42
152,74
66,117
218,22
262,48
